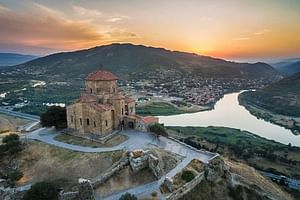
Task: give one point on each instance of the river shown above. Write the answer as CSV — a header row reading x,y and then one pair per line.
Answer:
x,y
228,113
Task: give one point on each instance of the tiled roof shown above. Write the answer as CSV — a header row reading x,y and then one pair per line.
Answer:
x,y
101,75
129,99
102,107
150,119
86,99
118,97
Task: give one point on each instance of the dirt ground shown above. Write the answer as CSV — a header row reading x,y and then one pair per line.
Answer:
x,y
115,140
40,162
125,179
10,124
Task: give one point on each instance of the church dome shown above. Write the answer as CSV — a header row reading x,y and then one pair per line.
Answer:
x,y
101,75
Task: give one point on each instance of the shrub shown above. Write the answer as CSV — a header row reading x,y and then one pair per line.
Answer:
x,y
158,129
55,116
10,138
128,196
11,144
14,176
187,176
42,190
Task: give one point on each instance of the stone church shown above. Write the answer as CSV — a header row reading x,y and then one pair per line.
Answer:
x,y
102,108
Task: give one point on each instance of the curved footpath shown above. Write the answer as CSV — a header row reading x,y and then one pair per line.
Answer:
x,y
136,140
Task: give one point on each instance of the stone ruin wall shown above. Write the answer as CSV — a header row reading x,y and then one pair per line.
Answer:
x,y
177,194
146,159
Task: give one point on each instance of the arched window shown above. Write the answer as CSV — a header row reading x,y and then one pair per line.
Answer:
x,y
88,121
91,90
105,122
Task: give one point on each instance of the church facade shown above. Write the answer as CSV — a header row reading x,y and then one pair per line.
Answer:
x,y
103,108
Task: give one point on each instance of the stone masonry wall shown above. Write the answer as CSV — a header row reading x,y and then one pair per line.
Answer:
x,y
175,195
115,168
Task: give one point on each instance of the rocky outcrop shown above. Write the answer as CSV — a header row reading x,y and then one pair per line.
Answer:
x,y
11,194
215,169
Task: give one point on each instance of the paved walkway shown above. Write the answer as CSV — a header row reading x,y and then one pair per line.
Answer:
x,y
136,140
19,114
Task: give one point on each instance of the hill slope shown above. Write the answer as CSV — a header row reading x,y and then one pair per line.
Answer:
x,y
289,67
130,59
282,97
9,59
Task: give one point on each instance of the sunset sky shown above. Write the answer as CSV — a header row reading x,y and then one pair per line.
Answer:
x,y
230,29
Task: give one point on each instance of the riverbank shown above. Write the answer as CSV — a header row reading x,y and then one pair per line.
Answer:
x,y
289,122
166,108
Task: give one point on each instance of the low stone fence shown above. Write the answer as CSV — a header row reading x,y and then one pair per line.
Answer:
x,y
68,195
175,195
212,155
111,171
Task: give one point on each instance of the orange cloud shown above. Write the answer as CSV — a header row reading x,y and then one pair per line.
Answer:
x,y
48,28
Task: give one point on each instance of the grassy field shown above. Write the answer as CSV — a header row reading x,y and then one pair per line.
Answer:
x,y
118,139
42,162
225,135
158,108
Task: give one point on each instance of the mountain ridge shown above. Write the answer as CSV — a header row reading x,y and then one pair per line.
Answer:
x,y
129,58
11,59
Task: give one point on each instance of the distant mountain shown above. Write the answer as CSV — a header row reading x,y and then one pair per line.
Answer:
x,y
128,59
282,97
10,59
288,66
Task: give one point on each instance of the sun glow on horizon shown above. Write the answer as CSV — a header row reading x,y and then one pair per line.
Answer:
x,y
231,30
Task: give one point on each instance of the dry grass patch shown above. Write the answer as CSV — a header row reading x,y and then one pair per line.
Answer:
x,y
70,139
40,162
10,123
125,179
250,176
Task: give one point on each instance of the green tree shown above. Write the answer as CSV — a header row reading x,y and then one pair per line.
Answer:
x,y
158,129
187,175
11,144
128,196
55,116
42,191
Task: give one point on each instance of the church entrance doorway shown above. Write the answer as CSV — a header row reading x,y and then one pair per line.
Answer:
x,y
131,125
